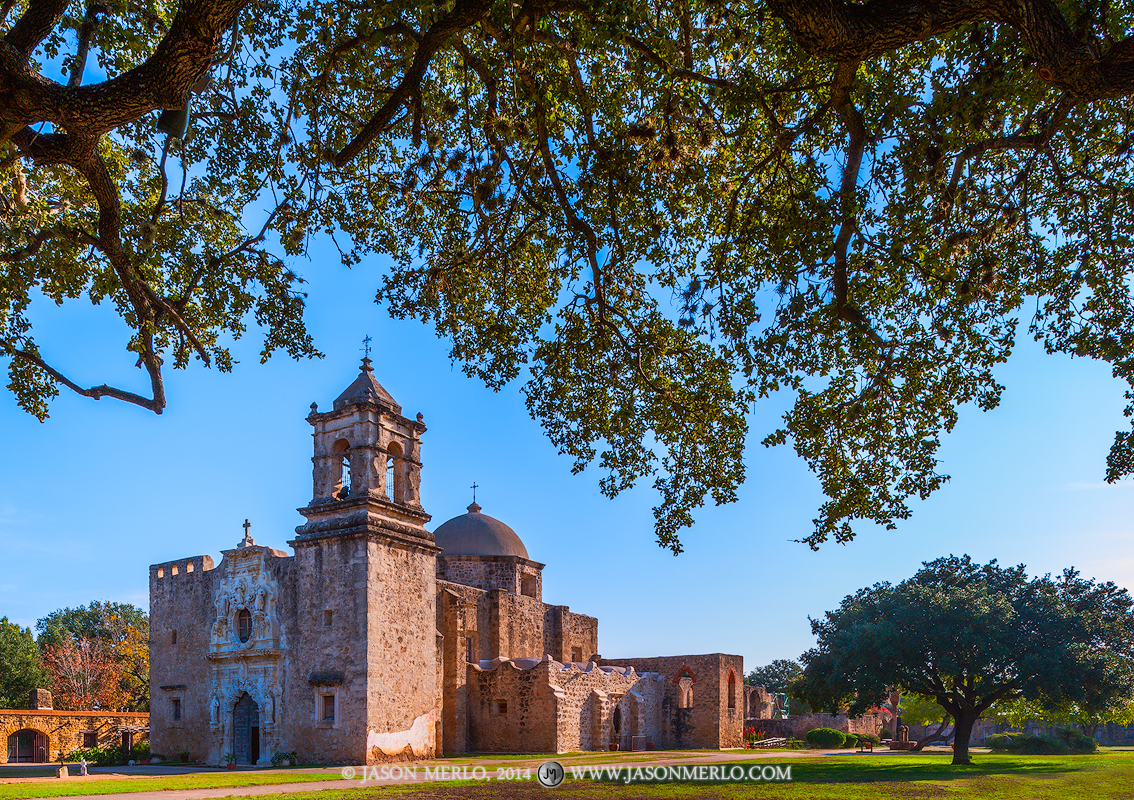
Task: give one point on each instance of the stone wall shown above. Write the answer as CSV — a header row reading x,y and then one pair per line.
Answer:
x,y
511,708
714,717
402,691
601,706
798,726
513,574
542,705
64,730
757,703
181,620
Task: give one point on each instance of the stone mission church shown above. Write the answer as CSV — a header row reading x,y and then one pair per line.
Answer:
x,y
376,640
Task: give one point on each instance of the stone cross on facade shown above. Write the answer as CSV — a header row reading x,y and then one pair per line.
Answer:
x,y
248,540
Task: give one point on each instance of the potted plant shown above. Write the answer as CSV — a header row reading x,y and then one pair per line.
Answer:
x,y
184,756
230,760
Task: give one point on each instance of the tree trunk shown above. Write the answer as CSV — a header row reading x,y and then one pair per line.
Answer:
x,y
937,736
961,733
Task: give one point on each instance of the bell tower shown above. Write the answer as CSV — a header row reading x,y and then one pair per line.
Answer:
x,y
369,570
366,454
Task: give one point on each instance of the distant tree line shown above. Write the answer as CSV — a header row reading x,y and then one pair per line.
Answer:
x,y
92,658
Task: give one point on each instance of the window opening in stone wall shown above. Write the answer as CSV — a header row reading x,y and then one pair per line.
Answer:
x,y
176,708
468,649
577,654
90,739
244,624
395,473
685,692
189,567
328,618
528,585
161,572
501,708
328,708
173,637
618,720
340,465
731,689
173,570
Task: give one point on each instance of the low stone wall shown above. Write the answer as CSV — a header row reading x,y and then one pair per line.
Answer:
x,y
65,731
797,727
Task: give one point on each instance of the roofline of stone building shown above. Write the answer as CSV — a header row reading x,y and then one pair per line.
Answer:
x,y
494,559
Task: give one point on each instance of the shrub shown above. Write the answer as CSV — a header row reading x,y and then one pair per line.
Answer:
x,y
1063,741
279,758
1076,741
825,737
141,750
98,757
1001,741
863,738
851,740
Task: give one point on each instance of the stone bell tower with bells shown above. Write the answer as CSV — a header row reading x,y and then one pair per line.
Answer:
x,y
368,571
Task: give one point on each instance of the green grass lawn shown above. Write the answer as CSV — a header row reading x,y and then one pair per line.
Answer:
x,y
993,777
93,785
1109,774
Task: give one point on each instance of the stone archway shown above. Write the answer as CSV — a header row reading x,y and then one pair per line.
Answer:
x,y
246,730
28,746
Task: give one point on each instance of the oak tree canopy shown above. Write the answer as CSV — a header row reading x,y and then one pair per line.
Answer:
x,y
971,637
655,214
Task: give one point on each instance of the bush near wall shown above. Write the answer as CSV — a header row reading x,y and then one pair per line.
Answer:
x,y
825,737
1063,741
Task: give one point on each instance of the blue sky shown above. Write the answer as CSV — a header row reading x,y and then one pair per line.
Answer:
x,y
93,496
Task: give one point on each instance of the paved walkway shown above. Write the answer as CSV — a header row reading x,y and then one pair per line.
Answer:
x,y
491,766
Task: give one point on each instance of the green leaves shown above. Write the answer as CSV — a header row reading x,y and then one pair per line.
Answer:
x,y
970,636
652,215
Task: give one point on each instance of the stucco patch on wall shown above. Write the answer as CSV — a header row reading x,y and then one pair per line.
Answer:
x,y
419,738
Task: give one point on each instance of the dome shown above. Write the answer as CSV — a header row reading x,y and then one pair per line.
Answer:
x,y
476,534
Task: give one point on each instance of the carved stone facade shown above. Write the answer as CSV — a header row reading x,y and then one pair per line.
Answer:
x,y
378,640
245,657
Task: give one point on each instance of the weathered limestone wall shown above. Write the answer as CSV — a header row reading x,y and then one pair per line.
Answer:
x,y
601,706
402,691
511,707
493,572
715,717
181,601
64,730
515,626
757,703
328,660
569,636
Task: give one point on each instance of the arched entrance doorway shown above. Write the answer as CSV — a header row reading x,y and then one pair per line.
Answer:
x,y
27,746
246,730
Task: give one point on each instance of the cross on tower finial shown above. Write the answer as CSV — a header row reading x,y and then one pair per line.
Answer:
x,y
474,485
366,346
247,535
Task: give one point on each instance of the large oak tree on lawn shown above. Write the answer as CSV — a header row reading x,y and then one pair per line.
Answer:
x,y
971,636
656,213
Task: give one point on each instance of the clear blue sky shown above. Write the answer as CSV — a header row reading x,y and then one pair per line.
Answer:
x,y
92,497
